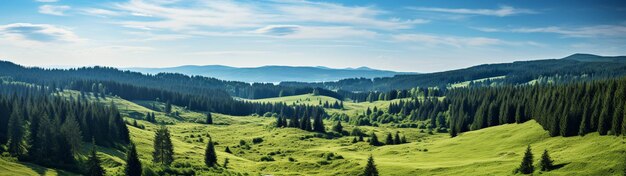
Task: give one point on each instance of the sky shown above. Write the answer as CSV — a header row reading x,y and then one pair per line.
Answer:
x,y
403,35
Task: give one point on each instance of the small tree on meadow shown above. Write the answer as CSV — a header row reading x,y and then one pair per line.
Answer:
x,y
527,162
210,157
370,168
546,162
389,139
374,140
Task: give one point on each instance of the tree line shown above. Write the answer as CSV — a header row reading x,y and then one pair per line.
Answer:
x,y
47,129
562,109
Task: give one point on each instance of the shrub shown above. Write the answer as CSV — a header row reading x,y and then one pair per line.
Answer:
x,y
257,140
267,158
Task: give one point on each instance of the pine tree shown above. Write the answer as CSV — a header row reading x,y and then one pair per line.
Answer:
x,y
133,165
370,168
71,130
93,164
527,162
209,118
396,139
354,140
210,157
163,148
16,133
389,139
318,123
168,107
374,140
546,161
337,127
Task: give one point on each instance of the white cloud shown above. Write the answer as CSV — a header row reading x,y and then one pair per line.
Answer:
x,y
191,15
39,33
58,10
100,12
313,32
455,41
614,31
500,12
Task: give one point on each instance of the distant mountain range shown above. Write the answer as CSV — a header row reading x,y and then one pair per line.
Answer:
x,y
273,74
573,67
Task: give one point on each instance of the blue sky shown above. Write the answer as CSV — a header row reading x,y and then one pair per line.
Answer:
x,y
415,36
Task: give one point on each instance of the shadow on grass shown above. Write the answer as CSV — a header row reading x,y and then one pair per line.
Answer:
x,y
558,166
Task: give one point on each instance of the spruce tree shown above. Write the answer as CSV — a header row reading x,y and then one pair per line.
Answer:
x,y
546,162
526,167
210,157
370,168
354,140
93,163
163,148
16,133
396,139
338,127
133,165
389,139
209,118
374,140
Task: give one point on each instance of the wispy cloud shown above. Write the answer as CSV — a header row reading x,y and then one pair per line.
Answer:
x,y
447,40
100,12
58,10
37,32
500,12
238,15
618,31
313,32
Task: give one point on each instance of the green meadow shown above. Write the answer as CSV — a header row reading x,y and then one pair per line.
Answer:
x,y
289,151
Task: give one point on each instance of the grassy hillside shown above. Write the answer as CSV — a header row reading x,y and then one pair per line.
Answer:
x,y
491,151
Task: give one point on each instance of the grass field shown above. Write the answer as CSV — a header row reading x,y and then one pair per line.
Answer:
x,y
491,151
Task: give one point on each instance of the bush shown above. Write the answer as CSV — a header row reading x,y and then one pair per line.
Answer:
x,y
267,158
257,140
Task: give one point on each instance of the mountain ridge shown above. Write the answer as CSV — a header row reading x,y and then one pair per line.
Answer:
x,y
272,73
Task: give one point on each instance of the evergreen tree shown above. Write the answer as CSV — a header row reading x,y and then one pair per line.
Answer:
x,y
93,164
168,107
354,140
389,139
546,162
133,165
209,118
527,162
374,140
370,168
163,148
396,139
318,123
337,127
210,157
16,133
71,130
